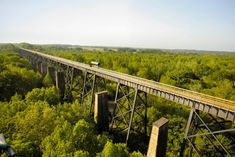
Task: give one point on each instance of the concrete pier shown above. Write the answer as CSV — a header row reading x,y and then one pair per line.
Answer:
x,y
60,83
158,139
38,66
101,111
43,69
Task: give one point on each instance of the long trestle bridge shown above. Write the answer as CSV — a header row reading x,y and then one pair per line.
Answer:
x,y
133,91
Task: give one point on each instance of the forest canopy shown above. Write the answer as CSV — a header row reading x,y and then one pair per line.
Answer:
x,y
37,122
207,72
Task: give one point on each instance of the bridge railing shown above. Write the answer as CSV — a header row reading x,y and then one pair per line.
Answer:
x,y
199,97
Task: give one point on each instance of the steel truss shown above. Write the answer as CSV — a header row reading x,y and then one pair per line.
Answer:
x,y
36,63
210,133
91,84
33,61
77,85
68,77
130,111
69,73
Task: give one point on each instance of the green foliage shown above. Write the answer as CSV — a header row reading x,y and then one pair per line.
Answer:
x,y
50,95
7,112
136,154
81,153
7,48
32,125
36,123
34,128
82,134
59,143
47,81
113,150
68,140
16,76
72,112
175,135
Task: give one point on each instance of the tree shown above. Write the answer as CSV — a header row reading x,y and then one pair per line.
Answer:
x,y
16,76
59,143
73,140
47,81
113,150
50,95
32,125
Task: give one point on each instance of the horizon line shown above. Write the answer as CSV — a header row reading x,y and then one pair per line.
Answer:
x,y
131,47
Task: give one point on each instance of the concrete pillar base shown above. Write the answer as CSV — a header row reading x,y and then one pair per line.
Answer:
x,y
158,139
60,83
43,69
101,111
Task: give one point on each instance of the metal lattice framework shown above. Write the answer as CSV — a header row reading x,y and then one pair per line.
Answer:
x,y
88,88
130,112
91,84
69,75
208,130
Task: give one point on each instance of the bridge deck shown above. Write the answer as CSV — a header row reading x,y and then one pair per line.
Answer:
x,y
206,103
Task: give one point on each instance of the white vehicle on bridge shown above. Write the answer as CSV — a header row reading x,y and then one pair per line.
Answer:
x,y
94,63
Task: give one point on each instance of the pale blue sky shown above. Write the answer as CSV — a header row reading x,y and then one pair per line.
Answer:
x,y
169,24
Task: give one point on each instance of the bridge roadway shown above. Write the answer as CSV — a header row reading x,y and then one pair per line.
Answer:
x,y
213,105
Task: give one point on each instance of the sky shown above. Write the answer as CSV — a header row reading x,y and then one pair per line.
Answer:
x,y
166,24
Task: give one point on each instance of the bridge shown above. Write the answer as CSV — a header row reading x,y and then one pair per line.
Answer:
x,y
133,91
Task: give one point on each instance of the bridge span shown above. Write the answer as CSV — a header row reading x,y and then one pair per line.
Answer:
x,y
206,103
211,105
